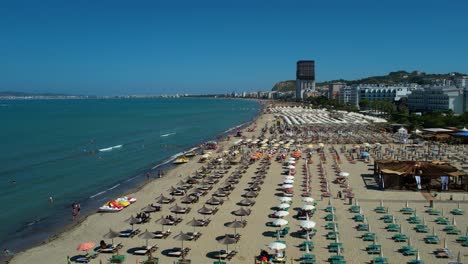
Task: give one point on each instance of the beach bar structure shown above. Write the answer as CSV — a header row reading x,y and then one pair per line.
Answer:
x,y
433,175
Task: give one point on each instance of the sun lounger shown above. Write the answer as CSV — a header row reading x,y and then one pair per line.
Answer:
x,y
177,252
145,250
130,233
110,248
162,234
87,258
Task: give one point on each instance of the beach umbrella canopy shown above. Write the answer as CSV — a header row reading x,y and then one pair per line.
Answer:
x,y
307,224
194,222
187,199
242,212
344,174
227,240
85,246
281,213
308,199
280,222
111,235
291,162
205,210
213,200
182,237
308,207
288,181
162,199
132,220
289,177
291,167
149,209
283,205
246,201
285,199
163,221
146,235
287,186
235,224
276,246
176,208
250,194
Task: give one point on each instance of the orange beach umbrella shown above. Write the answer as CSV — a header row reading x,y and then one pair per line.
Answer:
x,y
85,246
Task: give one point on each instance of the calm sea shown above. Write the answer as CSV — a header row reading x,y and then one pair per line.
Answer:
x,y
92,150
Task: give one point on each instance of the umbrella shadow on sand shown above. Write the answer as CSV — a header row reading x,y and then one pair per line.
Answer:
x,y
213,254
132,250
75,258
269,234
280,194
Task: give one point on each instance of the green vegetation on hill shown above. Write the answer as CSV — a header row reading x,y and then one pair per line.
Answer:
x,y
399,77
285,86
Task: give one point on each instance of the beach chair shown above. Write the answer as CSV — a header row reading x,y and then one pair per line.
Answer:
x,y
393,227
369,237
331,226
355,209
110,248
362,227
359,218
421,228
457,211
332,235
337,259
387,218
373,249
432,211
130,233
308,259
87,258
381,210
309,244
400,238
145,250
380,260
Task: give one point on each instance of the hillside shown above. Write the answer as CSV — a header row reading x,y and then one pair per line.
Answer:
x,y
285,86
400,77
391,78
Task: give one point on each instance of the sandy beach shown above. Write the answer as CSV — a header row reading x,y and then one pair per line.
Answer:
x,y
257,234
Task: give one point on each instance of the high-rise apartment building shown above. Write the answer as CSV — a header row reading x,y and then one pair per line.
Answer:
x,y
305,78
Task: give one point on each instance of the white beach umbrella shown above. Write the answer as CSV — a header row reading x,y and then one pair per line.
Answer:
x,y
291,167
308,199
276,246
280,222
308,207
285,199
307,224
291,158
291,162
287,186
288,181
284,205
344,174
289,177
281,213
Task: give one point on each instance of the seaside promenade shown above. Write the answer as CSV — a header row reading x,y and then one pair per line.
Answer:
x,y
257,233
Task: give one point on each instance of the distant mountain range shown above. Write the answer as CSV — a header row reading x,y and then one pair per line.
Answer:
x,y
391,78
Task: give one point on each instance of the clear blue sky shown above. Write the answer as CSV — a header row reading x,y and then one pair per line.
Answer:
x,y
194,46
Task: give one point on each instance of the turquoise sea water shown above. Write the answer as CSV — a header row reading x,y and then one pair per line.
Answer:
x,y
52,148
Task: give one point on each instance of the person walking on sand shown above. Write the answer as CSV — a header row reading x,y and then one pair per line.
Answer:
x,y
78,209
74,211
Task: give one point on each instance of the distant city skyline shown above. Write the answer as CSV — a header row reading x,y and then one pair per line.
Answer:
x,y
116,47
